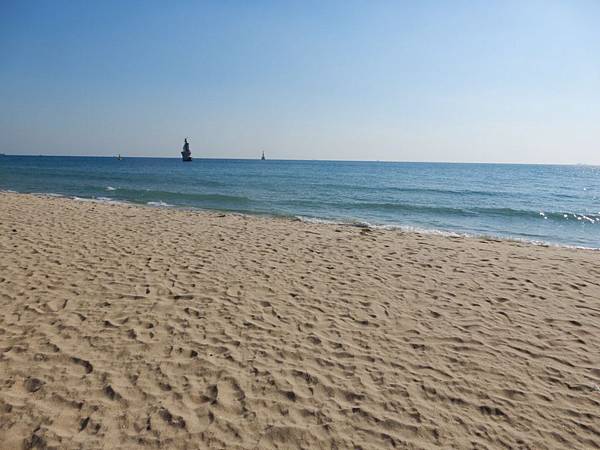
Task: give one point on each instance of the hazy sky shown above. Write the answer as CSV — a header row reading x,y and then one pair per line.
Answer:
x,y
505,81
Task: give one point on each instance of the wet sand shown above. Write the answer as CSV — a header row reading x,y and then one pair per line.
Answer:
x,y
134,327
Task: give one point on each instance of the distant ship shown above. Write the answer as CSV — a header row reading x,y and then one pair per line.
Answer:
x,y
186,155
262,158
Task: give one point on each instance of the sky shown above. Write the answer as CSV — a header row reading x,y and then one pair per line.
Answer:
x,y
460,81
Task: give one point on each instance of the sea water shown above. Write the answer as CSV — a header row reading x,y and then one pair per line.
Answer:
x,y
541,203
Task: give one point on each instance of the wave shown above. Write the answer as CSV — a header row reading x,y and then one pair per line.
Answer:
x,y
347,222
386,210
435,210
106,200
161,204
102,179
181,198
417,190
382,207
527,213
532,239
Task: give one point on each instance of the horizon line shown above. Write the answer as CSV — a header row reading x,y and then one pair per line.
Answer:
x,y
315,160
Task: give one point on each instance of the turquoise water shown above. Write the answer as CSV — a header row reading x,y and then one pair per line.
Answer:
x,y
541,203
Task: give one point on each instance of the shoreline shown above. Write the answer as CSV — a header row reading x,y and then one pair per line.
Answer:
x,y
310,220
137,327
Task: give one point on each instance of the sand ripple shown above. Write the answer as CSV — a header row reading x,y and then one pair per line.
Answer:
x,y
131,327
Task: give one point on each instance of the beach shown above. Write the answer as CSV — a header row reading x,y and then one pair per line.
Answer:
x,y
126,326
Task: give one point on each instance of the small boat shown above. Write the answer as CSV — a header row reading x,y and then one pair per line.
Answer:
x,y
262,158
186,154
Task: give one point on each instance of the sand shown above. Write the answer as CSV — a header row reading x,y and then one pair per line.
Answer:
x,y
136,327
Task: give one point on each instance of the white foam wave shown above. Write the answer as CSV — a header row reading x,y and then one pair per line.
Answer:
x,y
317,220
45,194
105,200
161,204
431,231
362,224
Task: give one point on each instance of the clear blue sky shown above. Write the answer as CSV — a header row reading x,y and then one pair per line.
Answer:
x,y
504,81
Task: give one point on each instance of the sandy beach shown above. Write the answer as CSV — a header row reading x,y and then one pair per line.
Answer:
x,y
135,327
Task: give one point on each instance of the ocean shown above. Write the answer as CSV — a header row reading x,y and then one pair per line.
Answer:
x,y
539,203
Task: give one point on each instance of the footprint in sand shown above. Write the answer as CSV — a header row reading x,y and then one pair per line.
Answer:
x,y
87,366
33,384
211,394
